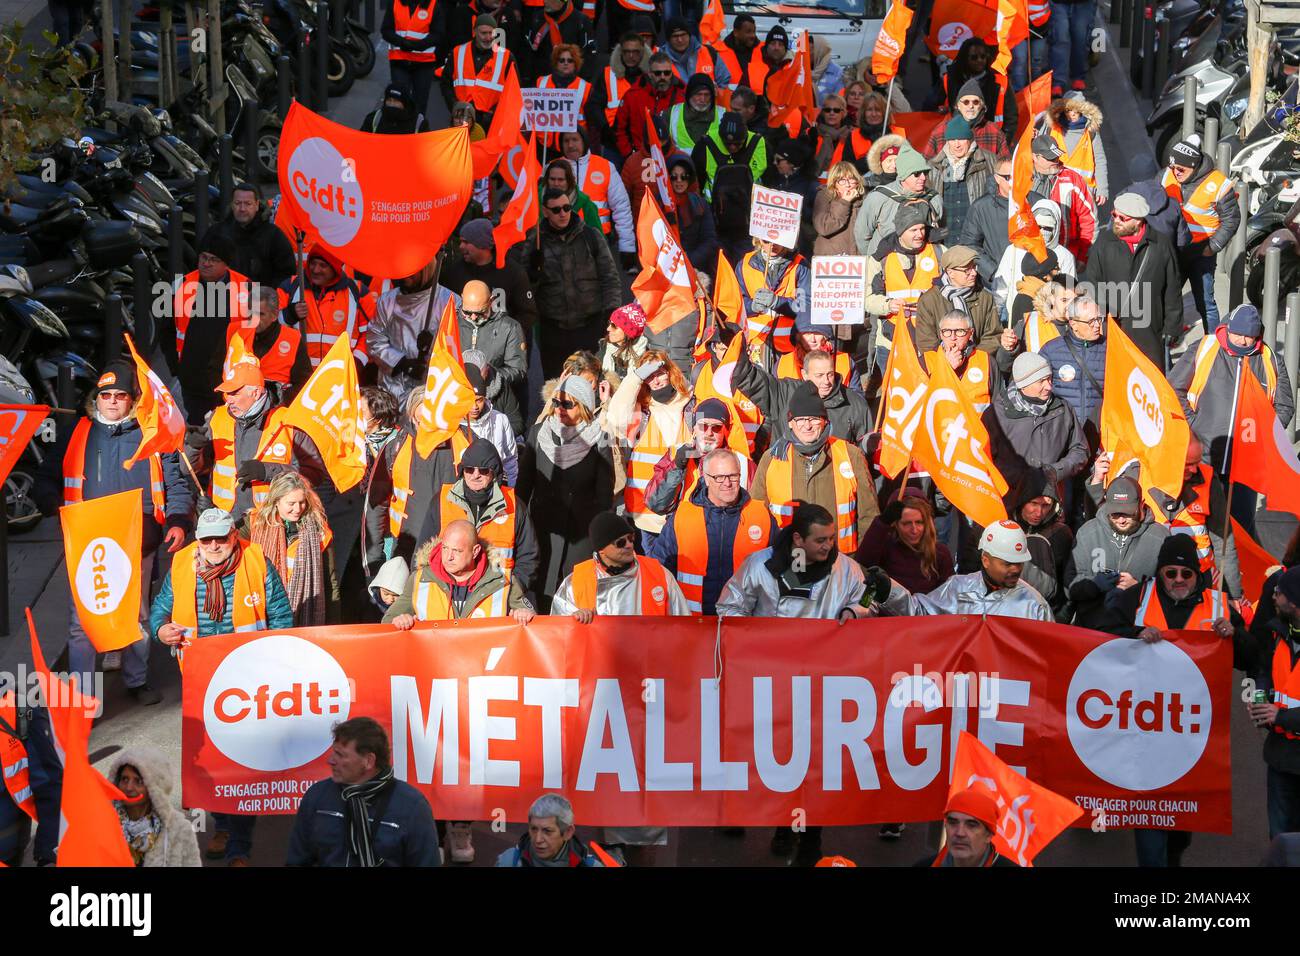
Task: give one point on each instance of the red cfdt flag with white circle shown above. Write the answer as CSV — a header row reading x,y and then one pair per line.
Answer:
x,y
384,204
18,423
101,548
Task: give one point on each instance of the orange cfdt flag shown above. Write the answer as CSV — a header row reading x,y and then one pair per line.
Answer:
x,y
1011,28
790,91
448,396
905,384
18,423
1022,227
1031,101
1140,410
951,443
914,127
101,550
727,300
521,213
1262,456
713,23
1030,815
328,408
666,286
1256,563
659,165
953,22
383,204
162,426
891,41
504,131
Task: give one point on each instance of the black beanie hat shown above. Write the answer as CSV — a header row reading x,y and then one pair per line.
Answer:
x,y
1179,550
476,381
119,375
481,453
700,81
215,244
606,528
778,33
806,403
713,409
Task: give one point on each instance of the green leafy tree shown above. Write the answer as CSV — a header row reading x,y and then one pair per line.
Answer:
x,y
40,100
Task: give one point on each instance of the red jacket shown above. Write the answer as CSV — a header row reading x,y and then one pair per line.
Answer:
x,y
1079,224
629,124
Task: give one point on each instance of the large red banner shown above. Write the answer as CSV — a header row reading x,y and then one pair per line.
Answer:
x,y
685,723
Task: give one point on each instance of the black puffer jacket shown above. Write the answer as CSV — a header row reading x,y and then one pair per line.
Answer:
x,y
263,252
573,275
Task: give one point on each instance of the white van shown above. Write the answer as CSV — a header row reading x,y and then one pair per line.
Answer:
x,y
850,26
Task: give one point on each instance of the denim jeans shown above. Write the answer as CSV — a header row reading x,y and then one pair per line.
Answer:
x,y
1161,847
1200,273
1020,61
1071,27
1283,802
240,828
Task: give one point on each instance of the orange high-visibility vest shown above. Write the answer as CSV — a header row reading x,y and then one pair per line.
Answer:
x,y
1194,520
791,367
615,89
248,601
412,23
764,325
861,146
498,534
1040,11
402,478
547,82
925,270
597,171
339,310
1206,355
1039,331
1198,210
275,446
693,545
1286,682
1001,82
703,64
780,491
277,363
1081,159
432,603
483,88
748,413
188,289
291,552
13,759
641,6
975,378
653,584
1151,614
74,473
652,445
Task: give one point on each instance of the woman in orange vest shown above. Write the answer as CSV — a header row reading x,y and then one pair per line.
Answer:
x,y
414,33
1076,128
566,62
774,286
290,528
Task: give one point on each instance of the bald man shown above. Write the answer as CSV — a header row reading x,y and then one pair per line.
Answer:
x,y
486,328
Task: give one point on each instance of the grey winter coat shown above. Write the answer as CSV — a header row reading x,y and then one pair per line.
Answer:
x,y
876,219
1225,205
501,340
985,230
574,278
177,844
1020,443
1097,549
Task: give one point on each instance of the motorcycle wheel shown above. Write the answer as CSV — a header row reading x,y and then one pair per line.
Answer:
x,y
21,512
340,73
268,149
360,49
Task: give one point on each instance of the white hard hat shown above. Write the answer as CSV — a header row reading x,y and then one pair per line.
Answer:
x,y
1005,540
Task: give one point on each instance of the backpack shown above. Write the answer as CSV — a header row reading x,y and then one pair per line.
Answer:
x,y
732,185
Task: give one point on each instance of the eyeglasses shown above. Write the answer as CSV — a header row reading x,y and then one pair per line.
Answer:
x,y
1177,574
832,109
1096,320
558,210
567,405
624,542
806,422
709,428
474,470
566,59
472,314
724,479
661,72
953,333
967,268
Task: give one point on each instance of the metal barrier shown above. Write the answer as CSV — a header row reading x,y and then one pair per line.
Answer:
x,y
322,41
1291,347
1189,107
1272,281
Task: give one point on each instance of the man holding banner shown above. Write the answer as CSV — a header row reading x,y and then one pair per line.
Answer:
x,y
97,463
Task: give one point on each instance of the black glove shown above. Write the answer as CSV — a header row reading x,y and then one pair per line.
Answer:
x,y
1105,580
409,367
878,585
250,471
630,262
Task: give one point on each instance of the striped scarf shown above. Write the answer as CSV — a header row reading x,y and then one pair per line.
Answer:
x,y
358,798
214,594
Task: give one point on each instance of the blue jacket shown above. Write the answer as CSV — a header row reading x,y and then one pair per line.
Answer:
x,y
795,306
721,525
278,613
1070,380
521,854
404,835
45,772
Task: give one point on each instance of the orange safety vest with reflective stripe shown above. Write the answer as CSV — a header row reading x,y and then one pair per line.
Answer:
x,y
615,89
277,363
1081,159
1039,331
185,292
1286,683
764,325
291,552
975,378
74,473
780,492
483,88
412,23
653,584
337,311
547,82
274,446
1001,82
861,146
1206,355
597,171
925,270
432,603
791,367
13,759
1040,11
1151,614
641,6
704,61
498,534
748,413
402,478
1194,519
248,604
649,448
693,545
1198,210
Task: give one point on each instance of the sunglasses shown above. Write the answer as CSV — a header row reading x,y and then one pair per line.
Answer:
x,y
566,59
473,470
661,72
680,178
709,429
1177,574
832,109
557,210
214,540
567,404
624,542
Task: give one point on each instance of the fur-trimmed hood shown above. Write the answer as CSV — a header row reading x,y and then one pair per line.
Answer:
x,y
879,146
1090,111
178,845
